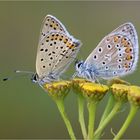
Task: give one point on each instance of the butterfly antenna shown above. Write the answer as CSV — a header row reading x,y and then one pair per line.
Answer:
x,y
24,73
28,72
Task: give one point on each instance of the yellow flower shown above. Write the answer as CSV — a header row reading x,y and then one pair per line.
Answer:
x,y
134,95
120,91
58,89
75,84
93,91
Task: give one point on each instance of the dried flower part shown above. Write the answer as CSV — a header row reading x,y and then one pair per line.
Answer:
x,y
117,81
58,89
93,91
120,91
76,84
134,95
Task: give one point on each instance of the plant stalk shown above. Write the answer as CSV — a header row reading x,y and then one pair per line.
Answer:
x,y
60,105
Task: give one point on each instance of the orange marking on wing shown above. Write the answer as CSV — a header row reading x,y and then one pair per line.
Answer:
x,y
124,42
65,40
116,39
128,50
129,57
126,65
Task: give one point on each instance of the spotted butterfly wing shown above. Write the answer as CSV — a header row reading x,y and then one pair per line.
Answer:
x,y
56,50
116,54
51,23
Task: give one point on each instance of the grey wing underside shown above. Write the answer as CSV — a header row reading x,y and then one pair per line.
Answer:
x,y
49,24
55,53
114,48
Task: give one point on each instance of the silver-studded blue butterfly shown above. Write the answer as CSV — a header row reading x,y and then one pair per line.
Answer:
x,y
56,50
116,55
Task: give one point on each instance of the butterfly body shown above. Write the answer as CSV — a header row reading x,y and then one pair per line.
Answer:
x,y
56,50
116,55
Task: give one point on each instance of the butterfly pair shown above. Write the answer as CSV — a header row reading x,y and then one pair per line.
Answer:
x,y
116,55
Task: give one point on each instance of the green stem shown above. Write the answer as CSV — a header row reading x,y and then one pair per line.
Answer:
x,y
81,115
106,112
127,122
107,109
60,105
109,118
91,109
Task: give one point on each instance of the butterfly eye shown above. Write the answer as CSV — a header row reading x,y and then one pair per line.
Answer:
x,y
34,78
79,65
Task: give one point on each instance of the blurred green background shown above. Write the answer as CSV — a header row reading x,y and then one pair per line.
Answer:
x,y
26,111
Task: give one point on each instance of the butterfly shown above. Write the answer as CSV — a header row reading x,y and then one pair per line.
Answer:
x,y
56,50
116,55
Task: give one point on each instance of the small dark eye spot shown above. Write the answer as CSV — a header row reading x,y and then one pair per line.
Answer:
x,y
114,72
46,50
109,46
120,60
42,59
43,66
120,54
106,68
103,63
95,57
100,50
41,49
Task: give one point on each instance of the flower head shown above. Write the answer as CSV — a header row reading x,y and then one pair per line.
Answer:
x,y
120,91
93,91
58,89
76,84
134,95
